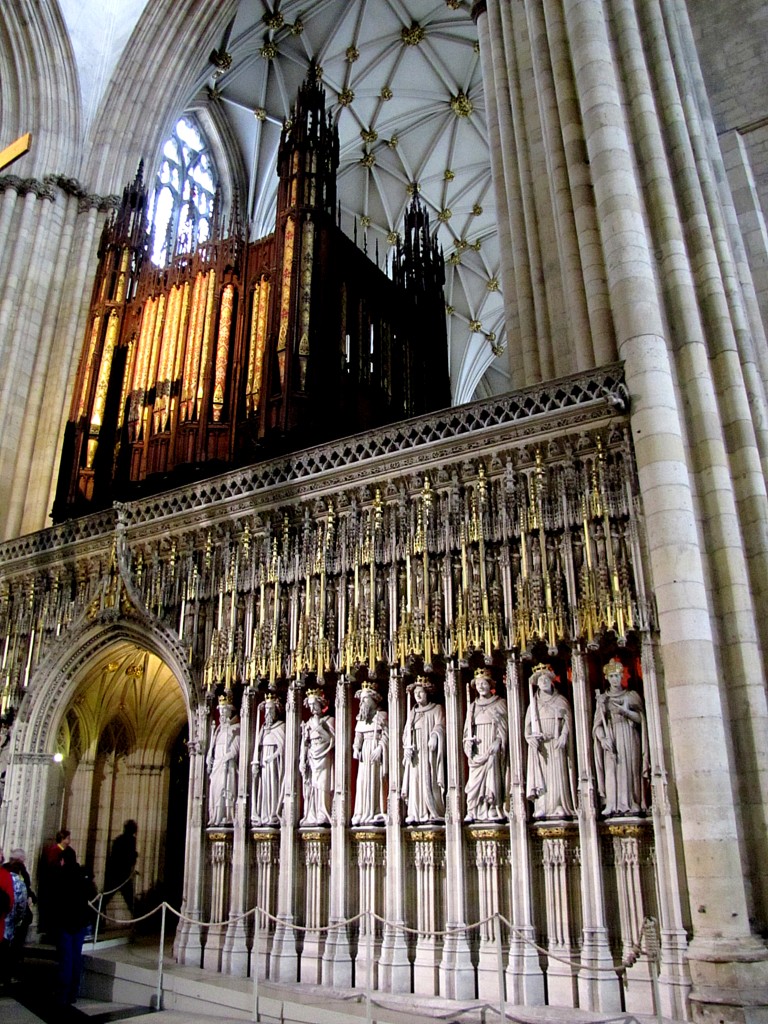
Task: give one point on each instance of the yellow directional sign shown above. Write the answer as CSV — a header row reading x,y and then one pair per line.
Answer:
x,y
15,150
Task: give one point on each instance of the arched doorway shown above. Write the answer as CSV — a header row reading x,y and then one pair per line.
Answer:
x,y
122,744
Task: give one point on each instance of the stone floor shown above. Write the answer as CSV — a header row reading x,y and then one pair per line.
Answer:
x,y
121,985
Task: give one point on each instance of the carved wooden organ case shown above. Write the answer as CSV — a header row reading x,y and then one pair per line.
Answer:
x,y
242,349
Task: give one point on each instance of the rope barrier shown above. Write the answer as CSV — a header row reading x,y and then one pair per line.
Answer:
x,y
649,939
372,915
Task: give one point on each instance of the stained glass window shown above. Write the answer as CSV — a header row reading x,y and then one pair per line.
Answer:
x,y
182,206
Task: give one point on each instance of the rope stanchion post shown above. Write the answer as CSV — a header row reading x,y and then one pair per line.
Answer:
x,y
160,957
653,952
369,972
500,971
98,921
255,961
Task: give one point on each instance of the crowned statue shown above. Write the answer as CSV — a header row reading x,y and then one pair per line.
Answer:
x,y
620,739
268,764
316,754
370,748
423,786
221,762
486,741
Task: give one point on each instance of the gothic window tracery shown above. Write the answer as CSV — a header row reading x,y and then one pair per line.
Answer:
x,y
182,206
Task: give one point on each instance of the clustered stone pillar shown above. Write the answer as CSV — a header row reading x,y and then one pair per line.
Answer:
x,y
606,164
371,860
48,237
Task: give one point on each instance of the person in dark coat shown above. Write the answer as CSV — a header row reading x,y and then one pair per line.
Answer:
x,y
70,915
51,861
121,864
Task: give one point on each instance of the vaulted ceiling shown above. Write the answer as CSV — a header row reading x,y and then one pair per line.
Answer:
x,y
404,82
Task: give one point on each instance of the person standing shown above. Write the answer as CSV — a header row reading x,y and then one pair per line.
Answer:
x,y
70,915
51,861
121,864
21,916
6,910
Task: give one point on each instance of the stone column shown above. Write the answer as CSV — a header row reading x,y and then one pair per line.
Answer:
x,y
628,847
267,848
457,974
560,862
71,315
726,961
317,859
235,953
525,979
188,943
337,956
394,966
598,984
491,860
284,963
429,863
79,810
674,980
147,804
105,769
220,846
31,807
371,858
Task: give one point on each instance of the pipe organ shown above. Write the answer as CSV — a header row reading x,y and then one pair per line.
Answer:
x,y
243,348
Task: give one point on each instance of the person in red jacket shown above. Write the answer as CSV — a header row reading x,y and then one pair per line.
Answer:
x,y
6,906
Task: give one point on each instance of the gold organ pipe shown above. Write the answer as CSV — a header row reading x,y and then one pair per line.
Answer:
x,y
123,275
285,296
88,369
177,351
194,341
257,340
104,369
252,343
201,368
128,373
222,351
163,306
146,330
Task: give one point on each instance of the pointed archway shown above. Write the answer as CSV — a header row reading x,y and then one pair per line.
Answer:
x,y
98,740
116,740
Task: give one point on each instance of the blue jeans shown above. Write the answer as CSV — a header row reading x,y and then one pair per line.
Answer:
x,y
69,947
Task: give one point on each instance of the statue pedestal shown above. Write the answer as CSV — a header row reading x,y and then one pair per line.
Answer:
x,y
371,859
429,862
317,850
267,848
221,862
